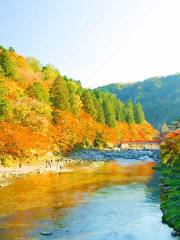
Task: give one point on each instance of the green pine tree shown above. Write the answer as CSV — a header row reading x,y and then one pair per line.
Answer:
x,y
109,112
7,64
5,106
59,94
88,103
99,109
139,114
130,112
120,113
74,98
99,141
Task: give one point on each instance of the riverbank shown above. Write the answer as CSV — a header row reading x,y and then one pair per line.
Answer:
x,y
170,196
169,170
66,164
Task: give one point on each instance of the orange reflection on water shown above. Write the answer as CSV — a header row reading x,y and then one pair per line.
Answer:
x,y
48,197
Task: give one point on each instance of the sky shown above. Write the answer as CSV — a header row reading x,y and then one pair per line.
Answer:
x,y
96,41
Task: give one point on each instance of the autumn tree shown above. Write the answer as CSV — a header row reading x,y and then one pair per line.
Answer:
x,y
50,72
34,64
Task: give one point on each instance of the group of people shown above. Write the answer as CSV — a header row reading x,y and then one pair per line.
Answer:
x,y
50,163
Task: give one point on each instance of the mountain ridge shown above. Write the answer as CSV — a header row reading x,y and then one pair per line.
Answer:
x,y
159,96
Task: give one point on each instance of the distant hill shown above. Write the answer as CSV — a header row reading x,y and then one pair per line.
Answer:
x,y
159,96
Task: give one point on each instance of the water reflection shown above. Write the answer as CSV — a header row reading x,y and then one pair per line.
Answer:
x,y
116,213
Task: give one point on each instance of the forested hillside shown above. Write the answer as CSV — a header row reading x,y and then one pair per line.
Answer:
x,y
43,112
159,96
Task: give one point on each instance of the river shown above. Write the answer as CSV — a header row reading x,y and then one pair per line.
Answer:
x,y
116,201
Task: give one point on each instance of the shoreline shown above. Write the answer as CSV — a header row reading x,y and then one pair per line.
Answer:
x,y
8,175
169,187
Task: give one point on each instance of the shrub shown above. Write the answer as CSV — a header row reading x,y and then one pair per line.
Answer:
x,y
38,91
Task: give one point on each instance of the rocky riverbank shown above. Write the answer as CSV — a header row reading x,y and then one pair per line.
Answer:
x,y
116,153
66,164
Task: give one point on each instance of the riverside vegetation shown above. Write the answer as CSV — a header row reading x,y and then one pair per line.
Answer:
x,y
170,180
43,114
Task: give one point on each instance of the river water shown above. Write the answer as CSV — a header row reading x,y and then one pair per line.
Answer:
x,y
118,200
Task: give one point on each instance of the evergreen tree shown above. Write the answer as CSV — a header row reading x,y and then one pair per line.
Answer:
x,y
130,112
59,94
74,99
88,103
99,141
120,113
38,91
4,103
7,64
99,109
99,95
139,114
109,112
11,49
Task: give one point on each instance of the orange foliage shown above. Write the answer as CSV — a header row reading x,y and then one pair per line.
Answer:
x,y
20,141
68,131
173,134
129,132
19,60
71,130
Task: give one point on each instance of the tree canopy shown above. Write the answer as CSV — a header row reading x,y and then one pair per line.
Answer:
x,y
7,65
